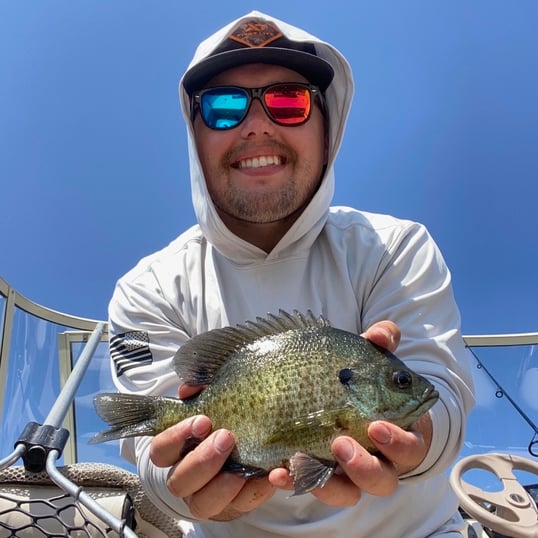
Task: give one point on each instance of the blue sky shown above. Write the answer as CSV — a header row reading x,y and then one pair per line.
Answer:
x,y
444,130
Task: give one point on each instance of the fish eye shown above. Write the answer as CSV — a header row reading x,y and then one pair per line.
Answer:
x,y
345,375
402,379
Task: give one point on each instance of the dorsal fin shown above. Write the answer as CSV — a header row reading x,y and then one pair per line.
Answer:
x,y
198,360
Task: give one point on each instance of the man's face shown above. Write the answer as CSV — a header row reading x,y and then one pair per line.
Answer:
x,y
261,172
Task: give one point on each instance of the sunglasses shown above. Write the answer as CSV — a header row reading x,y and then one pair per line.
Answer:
x,y
225,107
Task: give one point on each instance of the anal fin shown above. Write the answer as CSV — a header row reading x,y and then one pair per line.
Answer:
x,y
309,473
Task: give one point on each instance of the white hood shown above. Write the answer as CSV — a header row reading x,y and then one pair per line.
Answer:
x,y
307,227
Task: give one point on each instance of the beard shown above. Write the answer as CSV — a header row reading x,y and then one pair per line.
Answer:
x,y
261,208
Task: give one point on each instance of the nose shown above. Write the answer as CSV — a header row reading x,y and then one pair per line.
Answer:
x,y
257,122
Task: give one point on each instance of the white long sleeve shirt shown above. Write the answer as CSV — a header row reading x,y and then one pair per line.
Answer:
x,y
353,267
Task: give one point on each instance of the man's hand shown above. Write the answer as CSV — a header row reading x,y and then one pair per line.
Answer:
x,y
209,493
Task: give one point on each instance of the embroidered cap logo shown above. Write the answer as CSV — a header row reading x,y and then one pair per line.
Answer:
x,y
256,33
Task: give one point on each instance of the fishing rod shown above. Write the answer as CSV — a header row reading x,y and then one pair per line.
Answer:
x,y
500,392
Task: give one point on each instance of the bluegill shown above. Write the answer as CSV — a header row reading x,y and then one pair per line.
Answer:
x,y
286,385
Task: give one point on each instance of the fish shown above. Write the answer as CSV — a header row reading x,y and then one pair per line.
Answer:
x,y
286,385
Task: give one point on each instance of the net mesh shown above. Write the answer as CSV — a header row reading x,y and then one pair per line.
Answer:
x,y
31,505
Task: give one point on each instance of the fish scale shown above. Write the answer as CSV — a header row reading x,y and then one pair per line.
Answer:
x,y
286,386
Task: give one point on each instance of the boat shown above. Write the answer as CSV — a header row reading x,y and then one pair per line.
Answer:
x,y
53,363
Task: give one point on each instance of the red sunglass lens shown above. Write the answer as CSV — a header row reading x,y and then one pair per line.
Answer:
x,y
288,105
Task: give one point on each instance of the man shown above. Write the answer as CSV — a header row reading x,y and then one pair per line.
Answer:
x,y
266,105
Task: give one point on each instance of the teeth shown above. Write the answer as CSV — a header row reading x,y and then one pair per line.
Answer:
x,y
258,162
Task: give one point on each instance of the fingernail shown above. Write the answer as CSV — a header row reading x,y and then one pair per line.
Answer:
x,y
223,441
344,450
200,427
380,434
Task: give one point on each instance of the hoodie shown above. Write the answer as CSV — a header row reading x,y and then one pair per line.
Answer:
x,y
353,267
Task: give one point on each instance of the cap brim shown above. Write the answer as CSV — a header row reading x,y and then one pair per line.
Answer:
x,y
315,69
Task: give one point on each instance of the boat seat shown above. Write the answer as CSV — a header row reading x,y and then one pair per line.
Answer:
x,y
31,505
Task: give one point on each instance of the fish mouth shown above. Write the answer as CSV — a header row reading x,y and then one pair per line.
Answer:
x,y
429,397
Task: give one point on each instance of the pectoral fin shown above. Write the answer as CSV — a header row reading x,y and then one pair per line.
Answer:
x,y
309,473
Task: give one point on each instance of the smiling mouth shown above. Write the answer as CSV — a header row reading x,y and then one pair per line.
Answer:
x,y
259,162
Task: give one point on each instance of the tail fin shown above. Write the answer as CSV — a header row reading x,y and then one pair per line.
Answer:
x,y
129,415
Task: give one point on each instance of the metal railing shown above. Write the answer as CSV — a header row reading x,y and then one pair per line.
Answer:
x,y
40,445
13,302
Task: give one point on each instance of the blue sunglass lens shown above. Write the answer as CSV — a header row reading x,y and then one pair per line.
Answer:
x,y
223,109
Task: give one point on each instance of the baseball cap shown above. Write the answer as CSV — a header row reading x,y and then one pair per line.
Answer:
x,y
257,40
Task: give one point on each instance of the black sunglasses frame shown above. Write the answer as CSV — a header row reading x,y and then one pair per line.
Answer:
x,y
258,93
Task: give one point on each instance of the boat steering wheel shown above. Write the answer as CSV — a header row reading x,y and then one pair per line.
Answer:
x,y
515,512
